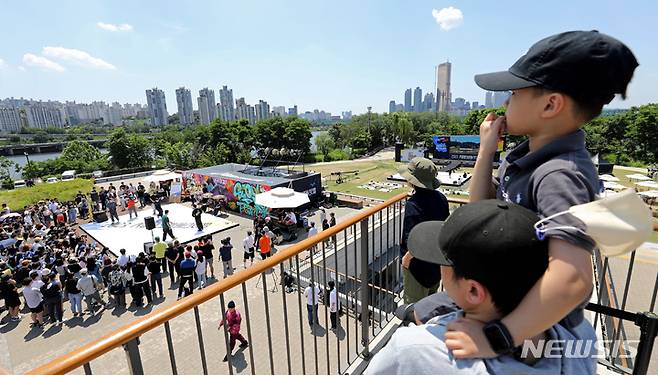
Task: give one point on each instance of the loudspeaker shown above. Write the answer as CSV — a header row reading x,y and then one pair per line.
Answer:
x,y
99,216
149,222
148,247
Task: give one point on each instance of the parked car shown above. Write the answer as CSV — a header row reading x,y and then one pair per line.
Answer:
x,y
97,174
68,175
52,180
19,184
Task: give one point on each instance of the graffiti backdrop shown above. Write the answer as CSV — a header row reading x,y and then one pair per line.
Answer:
x,y
240,195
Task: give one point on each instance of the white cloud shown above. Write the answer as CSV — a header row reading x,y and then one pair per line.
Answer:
x,y
2,64
78,57
21,68
448,18
114,28
41,62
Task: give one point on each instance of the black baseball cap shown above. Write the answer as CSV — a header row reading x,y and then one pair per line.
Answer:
x,y
480,238
582,64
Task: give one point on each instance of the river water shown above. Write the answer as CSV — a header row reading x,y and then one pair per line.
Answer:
x,y
21,160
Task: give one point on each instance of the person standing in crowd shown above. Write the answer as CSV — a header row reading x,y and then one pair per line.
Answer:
x,y
323,215
207,247
171,255
166,226
196,214
141,276
325,226
312,232
72,213
111,205
102,195
140,194
312,293
159,250
187,267
425,204
232,319
132,209
12,300
248,245
332,223
156,199
95,199
74,294
226,256
118,283
265,244
52,296
33,298
200,269
155,267
334,305
124,260
88,285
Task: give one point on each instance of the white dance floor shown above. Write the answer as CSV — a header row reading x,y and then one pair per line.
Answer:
x,y
131,234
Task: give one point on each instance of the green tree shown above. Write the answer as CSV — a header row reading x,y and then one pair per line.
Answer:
x,y
129,150
334,133
5,165
324,144
81,151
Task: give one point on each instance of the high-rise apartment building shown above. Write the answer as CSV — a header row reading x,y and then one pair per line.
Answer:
x,y
292,111
279,111
347,115
418,100
245,111
226,108
488,99
399,107
184,103
207,106
157,107
499,98
443,95
44,115
391,106
428,102
10,119
407,100
114,114
262,110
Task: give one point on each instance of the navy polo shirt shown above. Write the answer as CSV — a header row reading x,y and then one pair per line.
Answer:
x,y
550,180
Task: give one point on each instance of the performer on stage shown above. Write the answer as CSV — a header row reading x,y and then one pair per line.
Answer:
x,y
196,214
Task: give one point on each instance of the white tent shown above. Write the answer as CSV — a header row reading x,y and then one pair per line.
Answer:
x,y
608,178
282,197
637,176
163,175
613,185
650,193
646,185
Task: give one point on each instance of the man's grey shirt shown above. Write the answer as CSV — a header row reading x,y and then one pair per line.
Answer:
x,y
420,350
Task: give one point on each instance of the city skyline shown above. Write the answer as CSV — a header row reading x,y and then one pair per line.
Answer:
x,y
362,63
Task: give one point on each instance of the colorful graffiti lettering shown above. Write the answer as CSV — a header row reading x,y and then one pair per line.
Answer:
x,y
240,196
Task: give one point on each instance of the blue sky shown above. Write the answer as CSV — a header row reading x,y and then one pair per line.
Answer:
x,y
333,55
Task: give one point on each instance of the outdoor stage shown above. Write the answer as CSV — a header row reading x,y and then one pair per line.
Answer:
x,y
132,234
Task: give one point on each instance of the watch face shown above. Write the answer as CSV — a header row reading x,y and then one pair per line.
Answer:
x,y
497,338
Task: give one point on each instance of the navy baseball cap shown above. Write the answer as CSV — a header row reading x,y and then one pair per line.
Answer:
x,y
480,238
581,64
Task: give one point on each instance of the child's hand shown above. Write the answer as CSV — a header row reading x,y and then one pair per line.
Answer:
x,y
491,130
466,339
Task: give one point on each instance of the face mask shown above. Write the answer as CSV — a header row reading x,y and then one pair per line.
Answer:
x,y
618,224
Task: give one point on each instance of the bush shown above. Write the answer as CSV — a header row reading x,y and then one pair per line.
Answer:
x,y
337,154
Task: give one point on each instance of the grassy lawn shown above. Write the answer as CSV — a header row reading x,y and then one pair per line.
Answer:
x,y
64,190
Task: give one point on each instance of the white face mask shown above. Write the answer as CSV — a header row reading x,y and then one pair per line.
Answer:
x,y
618,224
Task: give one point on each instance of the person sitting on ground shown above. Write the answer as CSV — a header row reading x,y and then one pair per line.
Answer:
x,y
489,257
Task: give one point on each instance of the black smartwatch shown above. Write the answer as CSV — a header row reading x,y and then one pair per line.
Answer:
x,y
499,338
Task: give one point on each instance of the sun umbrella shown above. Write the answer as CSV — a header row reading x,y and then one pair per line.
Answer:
x,y
6,216
282,198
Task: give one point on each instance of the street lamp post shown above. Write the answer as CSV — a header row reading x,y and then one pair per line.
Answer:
x,y
27,156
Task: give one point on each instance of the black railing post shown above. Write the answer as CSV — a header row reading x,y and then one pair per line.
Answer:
x,y
133,357
648,323
365,290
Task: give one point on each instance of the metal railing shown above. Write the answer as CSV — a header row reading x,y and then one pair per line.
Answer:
x,y
361,254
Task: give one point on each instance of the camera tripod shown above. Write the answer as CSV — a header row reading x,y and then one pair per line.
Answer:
x,y
275,279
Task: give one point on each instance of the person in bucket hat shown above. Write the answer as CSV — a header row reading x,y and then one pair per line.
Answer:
x,y
425,203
